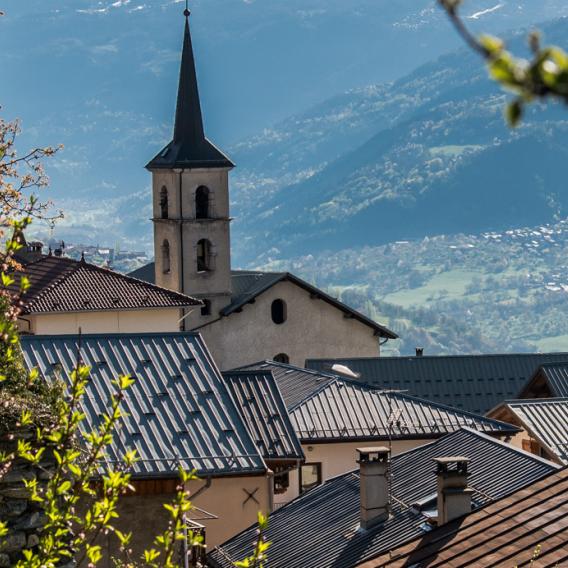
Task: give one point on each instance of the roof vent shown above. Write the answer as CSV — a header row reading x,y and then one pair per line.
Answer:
x,y
419,351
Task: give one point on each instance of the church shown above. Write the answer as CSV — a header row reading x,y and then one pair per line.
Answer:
x,y
245,315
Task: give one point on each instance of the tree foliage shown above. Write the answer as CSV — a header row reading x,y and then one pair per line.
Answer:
x,y
543,77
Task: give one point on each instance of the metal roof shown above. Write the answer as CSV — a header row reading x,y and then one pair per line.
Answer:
x,y
551,378
257,397
320,528
178,411
60,284
189,147
295,383
546,420
326,407
475,383
344,410
507,532
246,285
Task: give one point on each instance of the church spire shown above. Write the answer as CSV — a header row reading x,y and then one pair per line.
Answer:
x,y
189,147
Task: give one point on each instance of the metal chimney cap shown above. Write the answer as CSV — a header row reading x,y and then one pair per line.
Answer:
x,y
372,454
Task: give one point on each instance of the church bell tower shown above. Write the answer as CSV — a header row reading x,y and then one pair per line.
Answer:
x,y
190,187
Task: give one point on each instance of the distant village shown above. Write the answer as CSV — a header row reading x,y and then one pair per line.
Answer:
x,y
278,396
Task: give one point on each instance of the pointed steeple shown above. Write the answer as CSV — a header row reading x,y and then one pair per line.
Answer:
x,y
189,147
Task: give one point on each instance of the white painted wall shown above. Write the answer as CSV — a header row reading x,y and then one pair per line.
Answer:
x,y
313,328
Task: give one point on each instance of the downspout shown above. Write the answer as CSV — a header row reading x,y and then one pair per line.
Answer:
x,y
182,278
270,481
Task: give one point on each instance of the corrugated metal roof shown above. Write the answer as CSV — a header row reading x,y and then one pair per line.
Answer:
x,y
179,410
319,528
66,285
546,420
475,383
295,383
257,397
550,379
345,410
505,533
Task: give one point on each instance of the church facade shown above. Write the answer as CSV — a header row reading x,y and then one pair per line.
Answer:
x,y
246,316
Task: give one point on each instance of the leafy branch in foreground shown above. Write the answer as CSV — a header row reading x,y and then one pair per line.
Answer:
x,y
543,77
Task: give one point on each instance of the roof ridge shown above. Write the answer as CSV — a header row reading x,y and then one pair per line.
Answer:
x,y
311,395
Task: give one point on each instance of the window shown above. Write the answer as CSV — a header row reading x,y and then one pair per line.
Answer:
x,y
164,203
282,358
278,311
310,476
281,479
206,308
202,203
203,255
166,257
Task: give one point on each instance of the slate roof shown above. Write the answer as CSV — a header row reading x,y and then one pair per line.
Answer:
x,y
189,147
257,397
551,379
179,410
546,420
327,408
502,534
64,285
475,383
319,528
249,284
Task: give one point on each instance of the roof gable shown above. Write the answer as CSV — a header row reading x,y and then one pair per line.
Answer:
x,y
178,412
320,527
550,380
475,383
258,398
65,285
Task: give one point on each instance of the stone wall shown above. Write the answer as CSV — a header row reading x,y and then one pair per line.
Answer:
x,y
24,518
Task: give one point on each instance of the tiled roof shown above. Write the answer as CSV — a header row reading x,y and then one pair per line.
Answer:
x,y
65,285
295,383
179,410
319,528
257,397
546,420
246,285
345,410
475,383
325,407
552,378
527,528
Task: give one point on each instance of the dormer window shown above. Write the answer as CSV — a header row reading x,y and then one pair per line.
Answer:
x,y
202,203
164,203
203,255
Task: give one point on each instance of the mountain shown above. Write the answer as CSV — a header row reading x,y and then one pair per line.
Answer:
x,y
428,154
100,77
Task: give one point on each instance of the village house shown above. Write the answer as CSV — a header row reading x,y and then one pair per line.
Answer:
x,y
525,528
333,416
246,315
549,381
178,413
68,297
476,383
389,501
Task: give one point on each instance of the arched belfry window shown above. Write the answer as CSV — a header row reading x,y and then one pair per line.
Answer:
x,y
164,203
166,257
202,203
278,311
203,255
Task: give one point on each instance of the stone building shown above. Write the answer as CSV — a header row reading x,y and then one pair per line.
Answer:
x,y
246,316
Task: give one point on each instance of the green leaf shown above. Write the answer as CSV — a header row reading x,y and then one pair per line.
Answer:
x,y
514,112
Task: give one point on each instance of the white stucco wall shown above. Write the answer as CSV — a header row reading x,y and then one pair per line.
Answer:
x,y
131,321
338,458
313,328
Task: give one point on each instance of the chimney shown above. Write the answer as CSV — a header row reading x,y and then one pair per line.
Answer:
x,y
454,497
419,351
373,472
